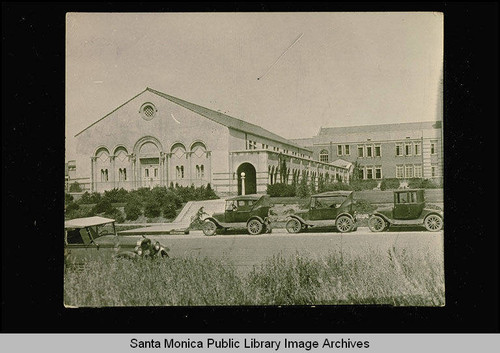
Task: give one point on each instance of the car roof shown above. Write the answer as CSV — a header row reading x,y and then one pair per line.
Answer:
x,y
87,222
333,193
246,197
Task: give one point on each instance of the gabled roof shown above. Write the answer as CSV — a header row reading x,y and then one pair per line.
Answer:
x,y
215,116
227,120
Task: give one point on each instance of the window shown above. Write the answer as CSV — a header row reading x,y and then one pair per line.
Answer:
x,y
156,172
347,150
417,149
369,150
377,151
434,169
409,171
408,149
399,149
323,156
402,197
399,171
182,171
202,171
339,150
369,173
417,170
378,172
104,175
433,147
148,111
146,173
360,151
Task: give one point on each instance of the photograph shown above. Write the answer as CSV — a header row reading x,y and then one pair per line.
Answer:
x,y
254,159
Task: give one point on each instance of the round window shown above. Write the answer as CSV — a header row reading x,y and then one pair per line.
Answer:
x,y
148,111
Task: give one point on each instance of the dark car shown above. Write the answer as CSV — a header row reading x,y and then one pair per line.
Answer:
x,y
94,238
245,211
333,208
409,210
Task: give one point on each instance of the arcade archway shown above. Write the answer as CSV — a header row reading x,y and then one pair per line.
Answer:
x,y
250,178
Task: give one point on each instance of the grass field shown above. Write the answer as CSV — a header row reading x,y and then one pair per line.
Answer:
x,y
399,277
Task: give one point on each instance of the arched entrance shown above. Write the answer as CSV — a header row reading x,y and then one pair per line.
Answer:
x,y
250,178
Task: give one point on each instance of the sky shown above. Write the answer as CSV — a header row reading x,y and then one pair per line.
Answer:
x,y
346,69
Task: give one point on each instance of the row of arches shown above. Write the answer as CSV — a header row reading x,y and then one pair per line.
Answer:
x,y
148,165
293,175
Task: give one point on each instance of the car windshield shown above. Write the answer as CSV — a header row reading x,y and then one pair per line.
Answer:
x,y
105,229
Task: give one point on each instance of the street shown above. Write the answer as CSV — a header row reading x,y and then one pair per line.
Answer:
x,y
245,250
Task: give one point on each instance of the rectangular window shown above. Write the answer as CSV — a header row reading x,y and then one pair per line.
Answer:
x,y
433,147
369,150
399,149
125,174
399,171
377,151
156,172
360,151
409,171
433,171
408,149
146,173
417,149
339,150
417,170
369,173
347,150
378,172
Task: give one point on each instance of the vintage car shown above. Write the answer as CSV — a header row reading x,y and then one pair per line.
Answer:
x,y
409,210
332,208
245,211
94,238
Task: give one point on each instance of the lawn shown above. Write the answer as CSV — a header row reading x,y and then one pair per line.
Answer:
x,y
399,277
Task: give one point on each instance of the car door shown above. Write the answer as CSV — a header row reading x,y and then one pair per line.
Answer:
x,y
401,205
243,212
79,246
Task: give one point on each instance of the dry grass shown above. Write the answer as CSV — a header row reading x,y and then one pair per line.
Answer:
x,y
398,277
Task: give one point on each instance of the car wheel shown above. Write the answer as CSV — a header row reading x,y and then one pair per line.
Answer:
x,y
255,227
344,224
376,224
293,226
433,223
209,228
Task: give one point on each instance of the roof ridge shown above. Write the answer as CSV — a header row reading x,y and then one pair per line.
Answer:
x,y
189,105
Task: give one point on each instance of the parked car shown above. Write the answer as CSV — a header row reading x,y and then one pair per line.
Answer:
x,y
409,210
93,238
332,208
245,211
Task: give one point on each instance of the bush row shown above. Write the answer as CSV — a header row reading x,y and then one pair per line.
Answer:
x,y
304,189
151,202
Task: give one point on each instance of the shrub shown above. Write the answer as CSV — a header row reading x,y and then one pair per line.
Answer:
x,y
363,206
88,198
358,185
389,184
302,189
68,198
336,186
116,214
132,211
72,206
116,195
169,210
152,209
419,183
102,206
281,190
75,187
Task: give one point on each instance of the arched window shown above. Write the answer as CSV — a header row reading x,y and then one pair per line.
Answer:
x,y
323,156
